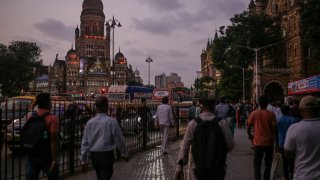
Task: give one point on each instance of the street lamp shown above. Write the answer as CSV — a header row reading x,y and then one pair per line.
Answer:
x,y
243,82
113,24
149,60
256,50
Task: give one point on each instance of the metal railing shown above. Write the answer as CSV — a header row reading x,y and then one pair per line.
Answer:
x,y
139,133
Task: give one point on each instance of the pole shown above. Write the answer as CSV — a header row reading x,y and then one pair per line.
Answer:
x,y
243,86
113,73
256,52
149,74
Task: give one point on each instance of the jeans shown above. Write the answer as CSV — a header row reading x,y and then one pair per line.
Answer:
x,y
35,165
102,163
259,152
164,129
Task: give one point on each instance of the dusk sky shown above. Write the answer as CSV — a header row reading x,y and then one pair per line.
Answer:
x,y
172,32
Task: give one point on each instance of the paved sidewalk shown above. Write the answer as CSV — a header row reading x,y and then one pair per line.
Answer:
x,y
151,164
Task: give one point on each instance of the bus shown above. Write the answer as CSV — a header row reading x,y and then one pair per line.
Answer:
x,y
124,92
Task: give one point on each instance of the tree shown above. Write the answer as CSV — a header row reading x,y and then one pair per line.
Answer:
x,y
246,30
310,24
17,63
204,86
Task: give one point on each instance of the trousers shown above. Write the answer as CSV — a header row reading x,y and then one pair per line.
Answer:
x,y
259,153
102,163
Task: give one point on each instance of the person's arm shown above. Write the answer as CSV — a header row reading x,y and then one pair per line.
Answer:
x,y
171,118
250,125
183,156
290,143
84,146
275,134
53,130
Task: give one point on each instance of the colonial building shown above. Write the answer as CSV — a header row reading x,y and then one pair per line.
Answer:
x,y
207,68
87,69
273,80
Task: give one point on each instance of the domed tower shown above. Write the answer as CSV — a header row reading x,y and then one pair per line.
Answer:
x,y
92,42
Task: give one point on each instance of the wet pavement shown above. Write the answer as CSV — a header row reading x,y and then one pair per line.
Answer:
x,y
151,164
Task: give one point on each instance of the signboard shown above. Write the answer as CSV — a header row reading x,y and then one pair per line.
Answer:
x,y
308,85
159,94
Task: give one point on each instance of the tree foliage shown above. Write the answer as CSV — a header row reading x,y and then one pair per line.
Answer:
x,y
234,49
310,24
17,63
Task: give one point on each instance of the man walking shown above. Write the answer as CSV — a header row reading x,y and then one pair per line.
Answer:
x,y
302,141
264,125
208,108
44,156
164,116
102,134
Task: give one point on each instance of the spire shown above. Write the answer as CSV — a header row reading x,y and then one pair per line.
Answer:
x,y
72,46
208,44
119,49
57,56
216,35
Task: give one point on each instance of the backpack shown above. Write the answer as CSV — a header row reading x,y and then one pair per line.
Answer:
x,y
35,137
209,149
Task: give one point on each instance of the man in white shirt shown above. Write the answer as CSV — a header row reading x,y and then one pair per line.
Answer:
x,y
302,141
101,136
165,118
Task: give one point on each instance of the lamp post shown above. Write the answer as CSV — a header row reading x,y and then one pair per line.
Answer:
x,y
113,24
256,50
149,60
243,82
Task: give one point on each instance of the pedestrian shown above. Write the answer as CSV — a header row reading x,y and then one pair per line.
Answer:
x,y
264,137
208,108
302,141
192,110
283,124
144,114
44,156
198,109
101,136
294,109
164,116
222,109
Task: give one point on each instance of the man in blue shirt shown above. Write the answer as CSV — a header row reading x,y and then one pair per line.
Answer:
x,y
285,121
101,136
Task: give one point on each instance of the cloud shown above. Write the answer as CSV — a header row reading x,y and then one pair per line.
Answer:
x,y
175,53
163,5
55,29
162,26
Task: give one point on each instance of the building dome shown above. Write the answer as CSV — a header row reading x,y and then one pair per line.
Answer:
x,y
92,7
92,4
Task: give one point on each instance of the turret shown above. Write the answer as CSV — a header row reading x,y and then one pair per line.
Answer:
x,y
252,7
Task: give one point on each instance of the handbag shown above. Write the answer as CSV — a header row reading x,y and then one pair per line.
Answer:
x,y
276,168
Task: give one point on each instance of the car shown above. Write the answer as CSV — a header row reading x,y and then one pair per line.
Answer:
x,y
80,111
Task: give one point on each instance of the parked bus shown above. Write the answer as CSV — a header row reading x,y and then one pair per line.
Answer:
x,y
124,92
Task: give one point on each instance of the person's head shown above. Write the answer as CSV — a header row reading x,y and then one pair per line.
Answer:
x,y
309,107
43,100
208,105
285,109
263,102
165,100
194,103
102,104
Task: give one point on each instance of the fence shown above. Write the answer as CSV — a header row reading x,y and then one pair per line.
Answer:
x,y
139,134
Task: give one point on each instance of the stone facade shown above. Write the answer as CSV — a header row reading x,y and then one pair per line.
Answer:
x,y
87,69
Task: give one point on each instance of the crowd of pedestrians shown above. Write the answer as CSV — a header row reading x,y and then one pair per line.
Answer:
x,y
292,129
